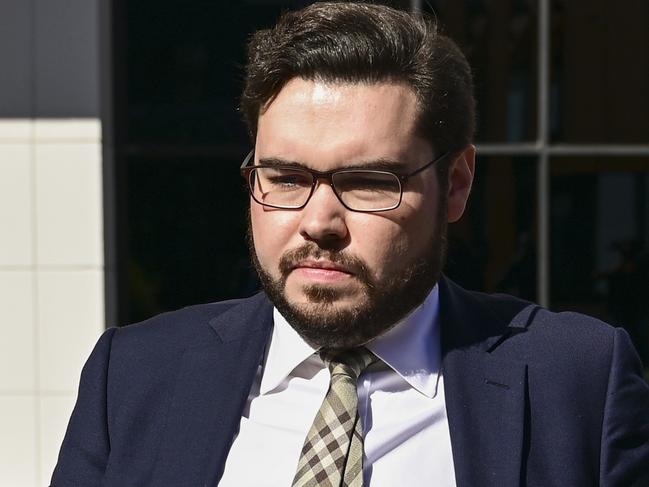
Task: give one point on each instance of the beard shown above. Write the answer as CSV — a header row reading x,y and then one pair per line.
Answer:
x,y
382,304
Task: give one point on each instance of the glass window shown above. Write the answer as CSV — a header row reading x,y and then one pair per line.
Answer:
x,y
600,71
500,41
493,246
184,225
182,68
600,241
182,74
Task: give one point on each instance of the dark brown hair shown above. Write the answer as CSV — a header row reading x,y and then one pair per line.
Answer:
x,y
363,43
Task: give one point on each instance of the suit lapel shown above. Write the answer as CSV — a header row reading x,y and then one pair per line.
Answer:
x,y
485,401
485,393
211,389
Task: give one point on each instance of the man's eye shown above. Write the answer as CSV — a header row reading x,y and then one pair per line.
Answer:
x,y
288,180
284,180
368,183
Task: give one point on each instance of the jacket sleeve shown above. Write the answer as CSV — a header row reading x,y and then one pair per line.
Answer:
x,y
86,446
625,429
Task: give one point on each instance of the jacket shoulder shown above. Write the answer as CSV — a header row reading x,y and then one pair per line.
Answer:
x,y
565,339
525,330
183,328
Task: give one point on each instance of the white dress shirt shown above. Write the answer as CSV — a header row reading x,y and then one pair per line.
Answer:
x,y
400,400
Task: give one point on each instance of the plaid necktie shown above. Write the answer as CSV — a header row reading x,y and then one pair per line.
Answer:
x,y
332,455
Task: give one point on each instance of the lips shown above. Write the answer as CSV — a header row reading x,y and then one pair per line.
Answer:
x,y
323,265
310,263
323,272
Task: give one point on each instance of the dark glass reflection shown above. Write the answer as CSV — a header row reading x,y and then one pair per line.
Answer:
x,y
600,241
181,68
179,139
493,247
500,41
185,234
600,71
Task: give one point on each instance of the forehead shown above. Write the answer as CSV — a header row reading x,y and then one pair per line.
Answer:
x,y
326,125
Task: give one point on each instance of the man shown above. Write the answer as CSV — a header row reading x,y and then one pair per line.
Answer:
x,y
361,364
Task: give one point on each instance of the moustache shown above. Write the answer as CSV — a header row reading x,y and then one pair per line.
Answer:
x,y
354,264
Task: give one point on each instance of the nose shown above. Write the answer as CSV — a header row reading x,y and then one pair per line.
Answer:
x,y
323,218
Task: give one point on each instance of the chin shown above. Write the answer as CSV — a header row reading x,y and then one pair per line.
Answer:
x,y
326,310
335,295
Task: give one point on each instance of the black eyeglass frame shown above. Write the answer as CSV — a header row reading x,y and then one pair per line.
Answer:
x,y
247,170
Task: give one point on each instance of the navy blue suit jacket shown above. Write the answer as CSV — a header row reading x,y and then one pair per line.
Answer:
x,y
534,398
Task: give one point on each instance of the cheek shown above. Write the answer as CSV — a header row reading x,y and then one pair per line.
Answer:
x,y
271,232
382,244
262,237
421,221
398,240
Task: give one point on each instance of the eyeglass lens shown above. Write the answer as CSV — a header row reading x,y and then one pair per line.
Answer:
x,y
358,190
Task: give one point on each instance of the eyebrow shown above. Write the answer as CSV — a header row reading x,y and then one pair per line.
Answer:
x,y
381,164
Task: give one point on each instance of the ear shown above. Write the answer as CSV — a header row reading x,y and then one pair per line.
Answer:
x,y
460,179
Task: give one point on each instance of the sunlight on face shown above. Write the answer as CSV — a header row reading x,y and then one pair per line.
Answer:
x,y
342,277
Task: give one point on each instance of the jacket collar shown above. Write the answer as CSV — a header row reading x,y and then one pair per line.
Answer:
x,y
211,388
485,390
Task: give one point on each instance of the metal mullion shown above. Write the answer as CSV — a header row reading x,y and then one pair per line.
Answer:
x,y
598,150
543,228
543,179
109,188
535,149
508,149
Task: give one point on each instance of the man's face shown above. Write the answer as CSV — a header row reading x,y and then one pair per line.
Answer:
x,y
342,277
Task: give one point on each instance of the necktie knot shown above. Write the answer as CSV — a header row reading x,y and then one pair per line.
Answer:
x,y
348,362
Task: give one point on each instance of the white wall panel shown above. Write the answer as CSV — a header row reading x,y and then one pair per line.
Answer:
x,y
18,449
17,351
70,320
68,204
15,205
16,130
67,130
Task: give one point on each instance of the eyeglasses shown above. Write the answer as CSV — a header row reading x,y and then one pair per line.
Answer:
x,y
291,187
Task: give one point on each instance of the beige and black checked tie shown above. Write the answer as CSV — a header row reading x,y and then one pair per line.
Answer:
x,y
332,455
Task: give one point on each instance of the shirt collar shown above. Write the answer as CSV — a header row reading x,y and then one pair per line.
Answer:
x,y
286,350
411,348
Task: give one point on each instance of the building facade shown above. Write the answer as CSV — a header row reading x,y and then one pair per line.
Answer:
x,y
120,195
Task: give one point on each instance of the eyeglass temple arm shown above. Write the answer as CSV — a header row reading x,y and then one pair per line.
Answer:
x,y
417,171
246,161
